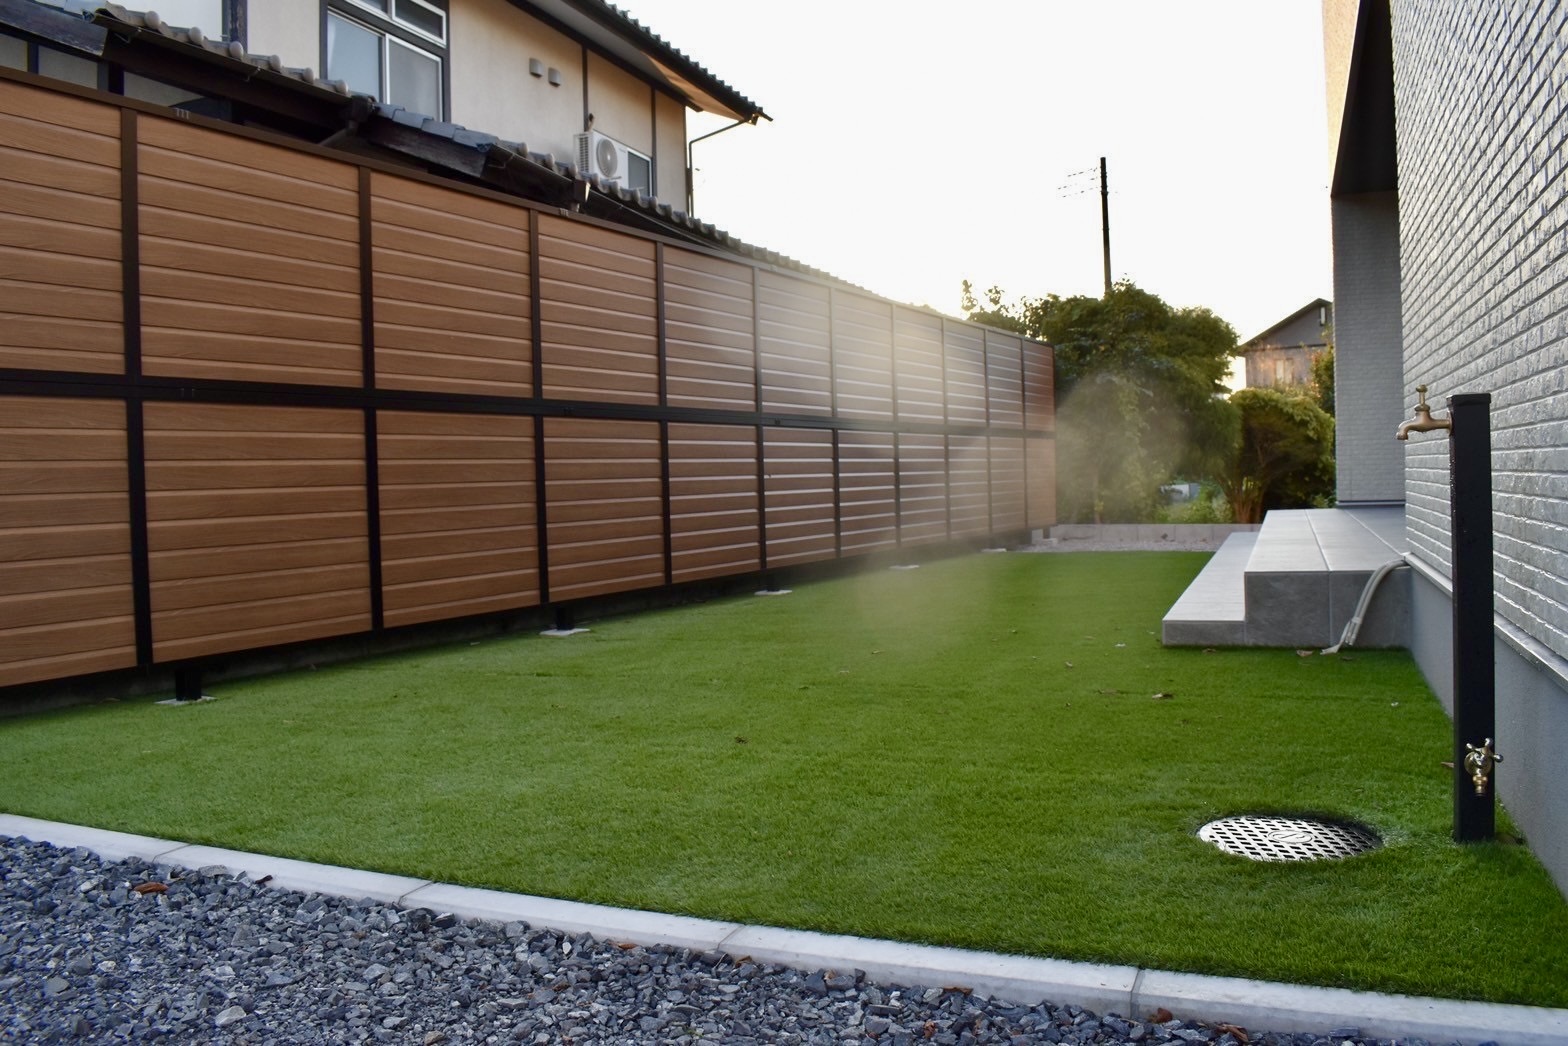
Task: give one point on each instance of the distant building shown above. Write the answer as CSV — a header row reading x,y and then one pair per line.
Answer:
x,y
1282,355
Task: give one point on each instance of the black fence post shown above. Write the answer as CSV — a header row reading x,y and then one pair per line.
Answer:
x,y
1475,693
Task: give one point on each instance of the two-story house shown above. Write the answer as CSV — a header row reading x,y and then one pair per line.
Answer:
x,y
572,81
1282,354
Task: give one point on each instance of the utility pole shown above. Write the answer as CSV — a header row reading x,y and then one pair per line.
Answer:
x,y
1105,225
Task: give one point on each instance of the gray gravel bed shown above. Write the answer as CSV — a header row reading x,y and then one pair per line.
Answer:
x,y
127,951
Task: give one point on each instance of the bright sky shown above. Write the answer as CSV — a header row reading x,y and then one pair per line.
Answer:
x,y
918,144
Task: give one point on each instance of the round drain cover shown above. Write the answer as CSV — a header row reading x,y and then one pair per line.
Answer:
x,y
1262,838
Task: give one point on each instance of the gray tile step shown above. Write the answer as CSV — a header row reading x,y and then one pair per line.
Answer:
x,y
1212,612
1298,583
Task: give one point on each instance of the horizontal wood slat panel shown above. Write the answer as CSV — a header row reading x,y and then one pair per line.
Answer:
x,y
868,508
798,499
602,544
262,565
255,243
1004,378
65,539
711,359
1039,388
968,486
1007,484
258,529
453,290
444,477
713,501
794,331
863,357
917,366
922,488
598,313
1040,457
60,304
964,351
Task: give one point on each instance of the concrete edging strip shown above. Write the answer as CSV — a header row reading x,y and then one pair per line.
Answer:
x,y
1126,990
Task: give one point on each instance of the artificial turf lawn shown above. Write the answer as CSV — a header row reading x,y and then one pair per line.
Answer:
x,y
966,754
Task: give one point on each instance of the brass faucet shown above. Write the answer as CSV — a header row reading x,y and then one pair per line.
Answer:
x,y
1479,763
1424,421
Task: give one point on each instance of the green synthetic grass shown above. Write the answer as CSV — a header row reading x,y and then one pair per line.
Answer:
x,y
966,754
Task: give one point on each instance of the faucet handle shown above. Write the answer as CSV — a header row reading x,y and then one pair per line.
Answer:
x,y
1421,398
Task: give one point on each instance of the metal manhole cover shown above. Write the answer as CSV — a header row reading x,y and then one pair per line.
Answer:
x,y
1261,838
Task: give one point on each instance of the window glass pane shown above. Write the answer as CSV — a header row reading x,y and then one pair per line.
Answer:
x,y
69,67
415,80
206,15
353,55
422,17
13,52
639,173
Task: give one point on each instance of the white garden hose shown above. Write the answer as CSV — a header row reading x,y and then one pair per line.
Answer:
x,y
1348,638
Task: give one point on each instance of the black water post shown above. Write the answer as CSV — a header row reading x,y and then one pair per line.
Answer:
x,y
1475,688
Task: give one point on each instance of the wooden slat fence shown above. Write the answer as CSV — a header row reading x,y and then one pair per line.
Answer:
x,y
254,393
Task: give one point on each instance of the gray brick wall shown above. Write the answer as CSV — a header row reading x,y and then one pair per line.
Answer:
x,y
1482,113
1368,401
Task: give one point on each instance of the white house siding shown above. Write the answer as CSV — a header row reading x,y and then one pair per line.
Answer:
x,y
669,159
490,43
1481,99
290,29
622,105
492,89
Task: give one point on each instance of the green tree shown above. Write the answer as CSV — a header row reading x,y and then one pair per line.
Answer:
x,y
1323,376
1139,394
1286,455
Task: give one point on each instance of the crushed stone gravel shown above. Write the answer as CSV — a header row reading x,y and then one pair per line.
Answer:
x,y
127,951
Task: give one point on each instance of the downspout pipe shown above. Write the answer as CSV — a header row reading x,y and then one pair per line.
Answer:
x,y
691,168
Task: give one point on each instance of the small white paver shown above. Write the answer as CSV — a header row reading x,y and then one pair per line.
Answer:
x,y
614,924
305,876
1298,1008
111,846
1012,978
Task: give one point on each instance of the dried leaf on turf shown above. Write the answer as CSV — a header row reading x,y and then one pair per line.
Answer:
x,y
1305,653
1162,696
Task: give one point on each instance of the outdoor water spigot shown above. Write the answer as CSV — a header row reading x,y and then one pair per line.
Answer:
x,y
1479,763
1424,421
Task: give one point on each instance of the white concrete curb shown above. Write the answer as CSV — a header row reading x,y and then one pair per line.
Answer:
x,y
1125,990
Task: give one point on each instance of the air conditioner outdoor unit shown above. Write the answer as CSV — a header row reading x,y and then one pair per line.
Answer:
x,y
602,155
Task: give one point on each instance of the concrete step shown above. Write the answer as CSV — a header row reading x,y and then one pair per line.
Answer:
x,y
1212,612
1297,583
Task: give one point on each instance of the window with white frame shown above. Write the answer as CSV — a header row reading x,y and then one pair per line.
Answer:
x,y
394,50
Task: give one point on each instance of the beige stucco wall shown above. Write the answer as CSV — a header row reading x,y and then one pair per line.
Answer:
x,y
1339,38
493,91
290,29
622,105
669,163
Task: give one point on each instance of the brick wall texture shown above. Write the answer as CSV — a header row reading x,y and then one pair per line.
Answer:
x,y
1481,101
1368,403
